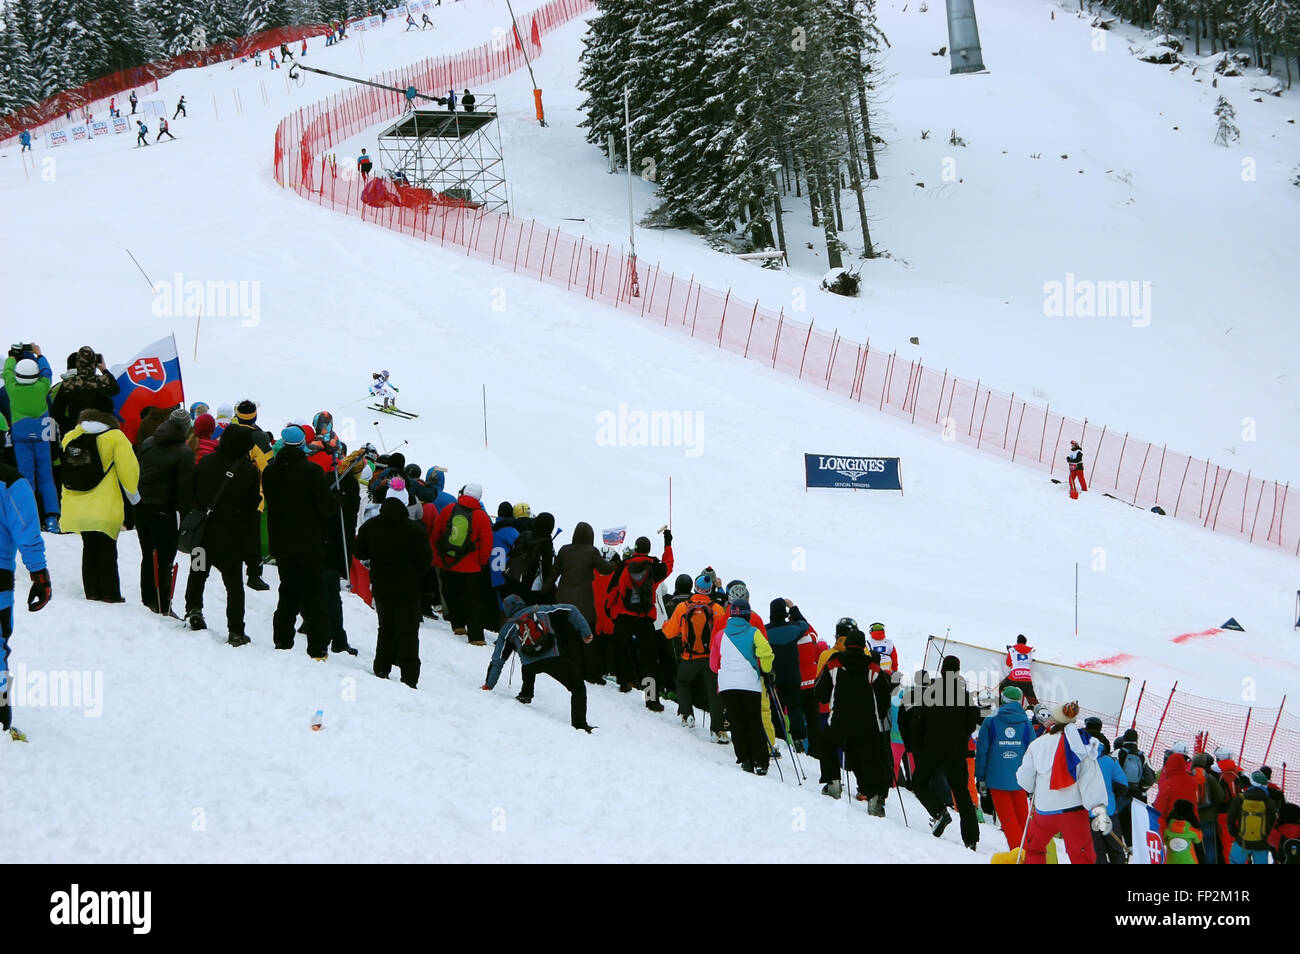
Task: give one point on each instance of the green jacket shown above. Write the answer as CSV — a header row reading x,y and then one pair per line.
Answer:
x,y
28,400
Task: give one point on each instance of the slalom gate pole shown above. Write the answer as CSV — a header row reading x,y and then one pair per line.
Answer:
x,y
381,437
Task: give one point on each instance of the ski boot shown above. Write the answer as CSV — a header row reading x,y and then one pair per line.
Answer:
x,y
720,737
832,789
654,706
256,583
194,620
876,807
748,767
939,823
343,646
524,698
760,769
688,721
237,639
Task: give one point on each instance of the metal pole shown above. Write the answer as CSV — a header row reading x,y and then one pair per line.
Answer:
x,y
1076,597
627,133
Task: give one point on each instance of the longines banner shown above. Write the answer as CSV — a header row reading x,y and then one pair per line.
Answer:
x,y
852,473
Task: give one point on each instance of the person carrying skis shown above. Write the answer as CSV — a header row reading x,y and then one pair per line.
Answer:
x,y
742,659
20,532
546,638
1064,781
142,136
630,601
857,692
379,386
163,129
999,750
1075,461
180,110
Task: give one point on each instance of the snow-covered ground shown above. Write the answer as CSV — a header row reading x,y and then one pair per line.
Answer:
x,y
202,752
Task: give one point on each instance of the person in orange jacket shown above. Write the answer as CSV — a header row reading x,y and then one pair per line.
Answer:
x,y
462,551
693,624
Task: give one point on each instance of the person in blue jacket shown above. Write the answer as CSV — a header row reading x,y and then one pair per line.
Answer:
x,y
546,640
26,139
436,477
1110,849
20,531
785,627
504,536
999,749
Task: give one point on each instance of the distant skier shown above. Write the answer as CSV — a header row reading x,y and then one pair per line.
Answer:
x,y
380,388
410,23
467,101
133,100
285,54
1075,461
26,140
257,58
142,138
163,129
364,165
303,51
427,24
274,64
20,530
180,109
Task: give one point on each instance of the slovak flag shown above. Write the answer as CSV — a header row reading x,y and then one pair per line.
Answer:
x,y
614,536
1070,750
151,379
1148,842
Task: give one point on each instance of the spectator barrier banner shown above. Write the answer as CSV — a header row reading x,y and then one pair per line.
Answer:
x,y
852,473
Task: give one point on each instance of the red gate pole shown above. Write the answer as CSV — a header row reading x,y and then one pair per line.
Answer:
x,y
1273,734
1168,703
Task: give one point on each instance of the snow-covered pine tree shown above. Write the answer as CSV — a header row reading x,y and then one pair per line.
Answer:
x,y
70,47
19,77
177,21
130,38
1227,131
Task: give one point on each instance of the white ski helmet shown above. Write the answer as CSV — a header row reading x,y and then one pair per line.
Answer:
x,y
27,371
1179,748
1223,754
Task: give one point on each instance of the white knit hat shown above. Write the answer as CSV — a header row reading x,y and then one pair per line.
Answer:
x,y
473,490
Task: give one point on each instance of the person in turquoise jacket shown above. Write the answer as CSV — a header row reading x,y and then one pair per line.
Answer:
x,y
999,750
28,379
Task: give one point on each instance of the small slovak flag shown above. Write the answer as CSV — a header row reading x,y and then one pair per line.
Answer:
x,y
614,536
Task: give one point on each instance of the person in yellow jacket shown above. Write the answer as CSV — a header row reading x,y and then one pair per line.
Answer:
x,y
99,466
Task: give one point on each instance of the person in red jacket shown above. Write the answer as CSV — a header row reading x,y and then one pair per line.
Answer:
x,y
1176,781
810,648
462,551
630,601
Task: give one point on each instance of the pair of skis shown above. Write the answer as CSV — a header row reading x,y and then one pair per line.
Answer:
x,y
394,411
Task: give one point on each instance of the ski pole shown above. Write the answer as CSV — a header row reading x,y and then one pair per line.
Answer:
x,y
343,527
775,701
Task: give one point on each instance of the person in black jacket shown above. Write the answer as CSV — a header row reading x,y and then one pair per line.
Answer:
x,y
531,560
940,729
230,529
166,489
858,694
300,504
91,386
572,580
785,628
398,551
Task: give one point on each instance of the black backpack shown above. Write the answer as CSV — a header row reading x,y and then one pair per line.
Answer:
x,y
457,537
82,467
525,556
535,634
639,592
694,641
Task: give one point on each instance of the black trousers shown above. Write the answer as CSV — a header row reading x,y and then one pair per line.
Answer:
x,y
231,569
635,656
697,688
748,737
331,603
399,636
157,531
300,593
929,780
1107,848
463,589
870,764
99,567
6,630
565,671
812,719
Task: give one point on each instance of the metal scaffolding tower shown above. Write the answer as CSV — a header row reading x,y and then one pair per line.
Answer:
x,y
453,154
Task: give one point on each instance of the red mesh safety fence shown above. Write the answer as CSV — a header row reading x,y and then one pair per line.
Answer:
x,y
1257,735
1132,470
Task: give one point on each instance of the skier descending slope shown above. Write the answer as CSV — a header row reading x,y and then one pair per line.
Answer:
x,y
19,530
380,388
